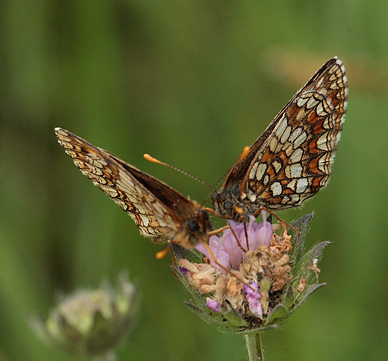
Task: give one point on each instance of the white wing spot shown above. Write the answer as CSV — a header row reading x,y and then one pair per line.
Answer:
x,y
286,134
323,163
320,110
282,126
261,170
145,220
312,102
109,190
295,134
301,185
327,124
252,196
266,179
273,144
296,156
292,184
253,171
322,142
276,189
294,170
285,199
277,166
300,140
301,101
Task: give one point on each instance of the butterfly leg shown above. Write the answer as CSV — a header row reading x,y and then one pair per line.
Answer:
x,y
226,227
164,251
237,239
281,221
212,211
161,254
246,234
219,230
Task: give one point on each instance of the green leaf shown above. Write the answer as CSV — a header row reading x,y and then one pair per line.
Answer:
x,y
302,224
191,255
235,319
307,292
228,322
301,268
279,313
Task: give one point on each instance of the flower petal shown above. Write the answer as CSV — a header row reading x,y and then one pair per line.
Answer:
x,y
219,253
253,297
212,304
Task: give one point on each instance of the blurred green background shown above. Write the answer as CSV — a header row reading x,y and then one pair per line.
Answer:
x,y
192,83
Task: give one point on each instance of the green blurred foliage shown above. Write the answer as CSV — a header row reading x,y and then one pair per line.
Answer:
x,y
192,83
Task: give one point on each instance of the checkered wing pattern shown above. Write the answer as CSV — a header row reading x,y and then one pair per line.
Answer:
x,y
291,160
159,211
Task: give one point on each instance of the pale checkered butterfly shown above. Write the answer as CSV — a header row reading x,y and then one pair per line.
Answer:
x,y
292,159
159,211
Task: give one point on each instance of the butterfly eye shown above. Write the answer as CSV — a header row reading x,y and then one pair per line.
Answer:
x,y
228,204
192,225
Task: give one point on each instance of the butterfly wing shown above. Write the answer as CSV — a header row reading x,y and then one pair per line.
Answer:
x,y
291,160
159,211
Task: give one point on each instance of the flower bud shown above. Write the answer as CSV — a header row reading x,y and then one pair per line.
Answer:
x,y
91,322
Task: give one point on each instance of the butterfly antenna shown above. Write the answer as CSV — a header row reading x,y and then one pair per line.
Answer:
x,y
240,158
157,161
214,189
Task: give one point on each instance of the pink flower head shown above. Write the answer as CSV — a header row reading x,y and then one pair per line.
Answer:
x,y
226,248
258,235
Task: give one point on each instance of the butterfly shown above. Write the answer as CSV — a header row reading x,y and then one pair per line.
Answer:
x,y
292,159
159,211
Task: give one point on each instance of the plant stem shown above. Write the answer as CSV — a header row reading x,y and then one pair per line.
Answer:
x,y
106,357
255,351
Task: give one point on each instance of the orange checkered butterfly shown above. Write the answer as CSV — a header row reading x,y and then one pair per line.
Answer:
x,y
291,160
159,211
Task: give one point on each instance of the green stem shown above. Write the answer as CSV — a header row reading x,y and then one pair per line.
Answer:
x,y
255,351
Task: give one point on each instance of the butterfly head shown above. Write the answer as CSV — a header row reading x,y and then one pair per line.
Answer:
x,y
195,230
226,205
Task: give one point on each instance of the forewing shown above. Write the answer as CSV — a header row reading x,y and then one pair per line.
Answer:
x,y
121,182
293,157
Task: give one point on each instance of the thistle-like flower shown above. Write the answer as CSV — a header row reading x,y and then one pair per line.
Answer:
x,y
269,276
90,323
